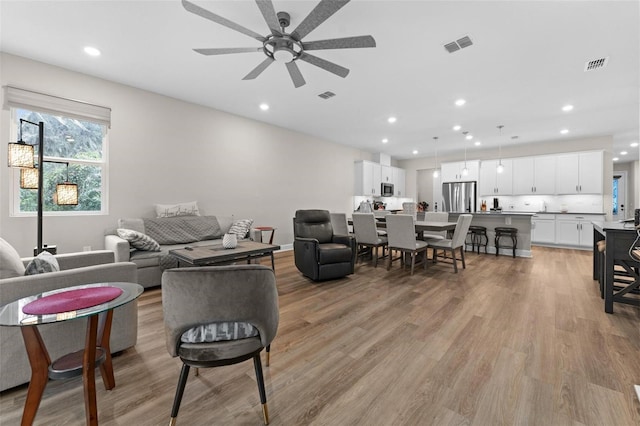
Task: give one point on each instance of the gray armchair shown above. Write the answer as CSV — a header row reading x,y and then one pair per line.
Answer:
x,y
319,253
219,315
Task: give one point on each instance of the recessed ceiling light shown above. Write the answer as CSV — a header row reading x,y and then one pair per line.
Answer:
x,y
469,137
623,152
567,108
477,143
460,102
392,119
91,51
385,140
633,144
615,158
264,107
564,131
415,151
456,128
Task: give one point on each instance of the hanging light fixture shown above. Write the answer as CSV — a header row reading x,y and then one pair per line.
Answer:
x,y
465,171
66,192
29,178
500,167
435,145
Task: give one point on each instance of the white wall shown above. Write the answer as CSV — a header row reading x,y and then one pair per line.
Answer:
x,y
162,150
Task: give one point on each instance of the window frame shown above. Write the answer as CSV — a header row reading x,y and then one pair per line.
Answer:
x,y
14,192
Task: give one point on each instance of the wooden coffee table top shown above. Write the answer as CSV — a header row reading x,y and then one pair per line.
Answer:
x,y
206,255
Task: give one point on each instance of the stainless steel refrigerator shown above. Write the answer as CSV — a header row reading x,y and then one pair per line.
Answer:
x,y
459,197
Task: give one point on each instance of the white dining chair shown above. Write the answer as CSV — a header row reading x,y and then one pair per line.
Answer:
x,y
401,235
435,217
339,223
455,243
364,228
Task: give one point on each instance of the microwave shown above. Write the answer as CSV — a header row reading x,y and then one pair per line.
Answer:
x,y
386,190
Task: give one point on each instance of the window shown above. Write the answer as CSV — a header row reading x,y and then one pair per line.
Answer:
x,y
71,136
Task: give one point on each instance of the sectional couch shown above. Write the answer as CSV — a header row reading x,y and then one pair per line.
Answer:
x,y
170,233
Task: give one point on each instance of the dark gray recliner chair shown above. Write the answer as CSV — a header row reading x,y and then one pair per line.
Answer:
x,y
219,315
319,253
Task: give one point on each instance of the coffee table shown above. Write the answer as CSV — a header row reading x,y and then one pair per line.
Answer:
x,y
211,255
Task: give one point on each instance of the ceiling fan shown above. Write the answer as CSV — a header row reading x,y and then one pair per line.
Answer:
x,y
287,47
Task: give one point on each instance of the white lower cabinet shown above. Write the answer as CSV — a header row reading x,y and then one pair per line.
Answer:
x,y
543,229
575,230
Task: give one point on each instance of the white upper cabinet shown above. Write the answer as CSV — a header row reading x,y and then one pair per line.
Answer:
x,y
579,173
386,174
399,176
494,183
367,179
452,172
534,175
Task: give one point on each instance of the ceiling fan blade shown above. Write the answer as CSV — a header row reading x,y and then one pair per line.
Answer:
x,y
227,50
324,64
318,15
341,43
220,20
258,70
269,14
295,74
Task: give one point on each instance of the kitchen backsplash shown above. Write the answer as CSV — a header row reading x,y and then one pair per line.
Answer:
x,y
551,203
391,203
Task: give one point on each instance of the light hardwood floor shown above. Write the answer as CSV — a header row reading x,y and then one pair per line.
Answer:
x,y
506,341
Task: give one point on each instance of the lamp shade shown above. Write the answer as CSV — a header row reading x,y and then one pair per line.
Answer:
x,y
20,155
29,178
66,194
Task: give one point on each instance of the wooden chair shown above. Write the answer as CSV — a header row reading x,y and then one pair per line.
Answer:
x,y
364,227
455,243
401,234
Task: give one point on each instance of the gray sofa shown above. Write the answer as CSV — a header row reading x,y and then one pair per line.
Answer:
x,y
64,337
171,233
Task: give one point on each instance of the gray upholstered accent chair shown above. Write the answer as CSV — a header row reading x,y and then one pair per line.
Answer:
x,y
238,297
456,242
364,226
319,253
401,232
339,224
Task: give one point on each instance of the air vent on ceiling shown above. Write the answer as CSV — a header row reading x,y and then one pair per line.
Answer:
x,y
596,64
461,43
327,95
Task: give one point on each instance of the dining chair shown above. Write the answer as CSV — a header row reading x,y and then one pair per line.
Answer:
x,y
339,224
435,217
364,227
409,208
401,235
219,315
454,243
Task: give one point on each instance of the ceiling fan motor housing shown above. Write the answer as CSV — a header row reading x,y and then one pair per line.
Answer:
x,y
284,19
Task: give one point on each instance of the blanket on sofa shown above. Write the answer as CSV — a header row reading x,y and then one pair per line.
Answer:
x,y
182,229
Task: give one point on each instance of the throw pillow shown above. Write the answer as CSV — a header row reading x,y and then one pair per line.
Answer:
x,y
138,240
180,209
10,263
241,227
42,263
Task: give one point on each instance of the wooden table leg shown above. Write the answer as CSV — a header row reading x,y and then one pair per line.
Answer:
x,y
104,334
39,361
89,371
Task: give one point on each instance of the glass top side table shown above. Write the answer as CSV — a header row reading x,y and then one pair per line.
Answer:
x,y
96,351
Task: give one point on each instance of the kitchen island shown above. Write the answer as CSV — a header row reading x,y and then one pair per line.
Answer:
x,y
490,220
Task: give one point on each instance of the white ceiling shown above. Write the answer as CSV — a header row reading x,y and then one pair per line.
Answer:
x,y
527,61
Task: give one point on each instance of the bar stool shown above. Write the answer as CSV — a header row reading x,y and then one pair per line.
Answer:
x,y
476,233
506,231
266,229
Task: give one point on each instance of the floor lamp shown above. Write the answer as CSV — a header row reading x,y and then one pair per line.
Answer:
x,y
21,155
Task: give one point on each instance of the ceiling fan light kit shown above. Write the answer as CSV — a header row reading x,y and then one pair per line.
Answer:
x,y
286,47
